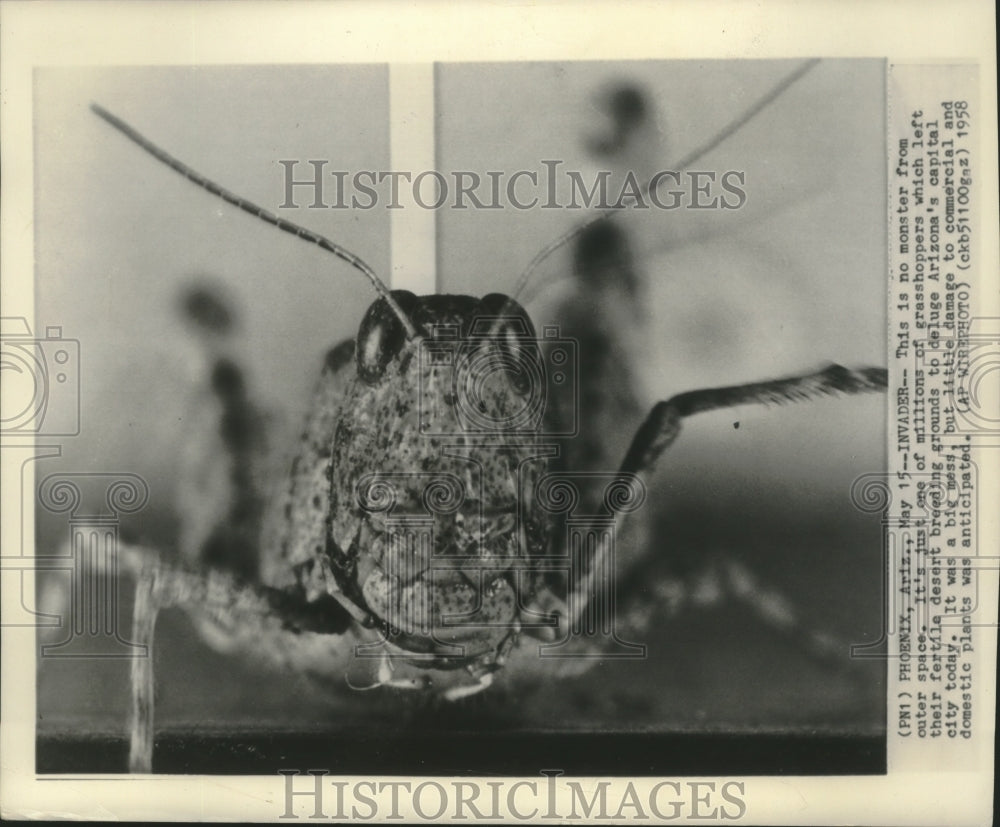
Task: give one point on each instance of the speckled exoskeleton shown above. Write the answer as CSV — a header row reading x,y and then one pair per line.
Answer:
x,y
420,536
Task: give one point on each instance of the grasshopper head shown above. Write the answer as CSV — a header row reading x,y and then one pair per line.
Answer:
x,y
433,525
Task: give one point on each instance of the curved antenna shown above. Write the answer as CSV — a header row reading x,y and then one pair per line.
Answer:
x,y
731,128
257,212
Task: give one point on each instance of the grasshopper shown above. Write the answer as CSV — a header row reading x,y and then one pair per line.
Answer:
x,y
409,543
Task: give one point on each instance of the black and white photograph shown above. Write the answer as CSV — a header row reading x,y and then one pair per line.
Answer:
x,y
738,584
468,418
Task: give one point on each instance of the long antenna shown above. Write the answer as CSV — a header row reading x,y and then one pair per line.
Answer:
x,y
258,212
730,129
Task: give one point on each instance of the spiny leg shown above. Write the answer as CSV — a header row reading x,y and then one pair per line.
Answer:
x,y
264,622
724,580
141,718
233,542
779,613
663,425
255,608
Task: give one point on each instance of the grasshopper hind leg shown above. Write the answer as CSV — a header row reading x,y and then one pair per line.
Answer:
x,y
650,593
662,582
252,620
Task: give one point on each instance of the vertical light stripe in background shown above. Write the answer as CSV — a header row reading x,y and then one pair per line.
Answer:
x,y
411,149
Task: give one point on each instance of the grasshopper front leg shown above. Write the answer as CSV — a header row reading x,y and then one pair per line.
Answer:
x,y
723,578
268,624
248,577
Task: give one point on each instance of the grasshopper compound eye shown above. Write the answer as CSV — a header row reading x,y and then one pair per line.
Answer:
x,y
504,308
381,335
514,332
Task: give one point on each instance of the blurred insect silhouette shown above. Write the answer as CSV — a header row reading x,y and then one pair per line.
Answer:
x,y
450,499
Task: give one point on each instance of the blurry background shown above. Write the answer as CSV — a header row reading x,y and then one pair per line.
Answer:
x,y
790,282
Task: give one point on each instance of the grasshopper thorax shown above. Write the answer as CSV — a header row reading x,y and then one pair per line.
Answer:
x,y
438,545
